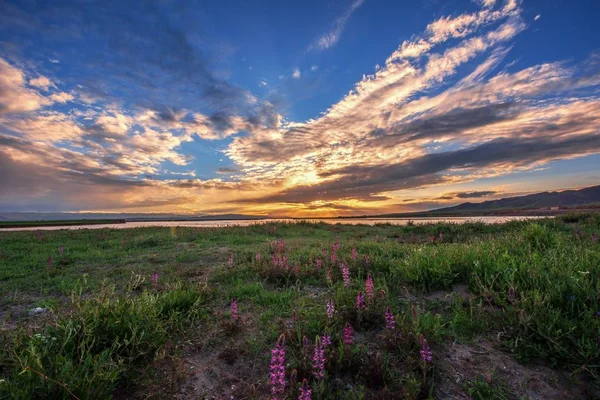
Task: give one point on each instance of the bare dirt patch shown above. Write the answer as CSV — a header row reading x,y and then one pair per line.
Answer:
x,y
462,363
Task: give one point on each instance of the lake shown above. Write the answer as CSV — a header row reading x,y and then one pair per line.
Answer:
x,y
224,223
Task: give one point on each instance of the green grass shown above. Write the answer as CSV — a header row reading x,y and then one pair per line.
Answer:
x,y
534,284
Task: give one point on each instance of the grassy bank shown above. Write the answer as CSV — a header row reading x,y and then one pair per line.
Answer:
x,y
147,312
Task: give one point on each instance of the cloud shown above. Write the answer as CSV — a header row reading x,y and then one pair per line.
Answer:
x,y
314,67
61,97
331,38
42,82
296,74
537,17
15,97
467,195
227,171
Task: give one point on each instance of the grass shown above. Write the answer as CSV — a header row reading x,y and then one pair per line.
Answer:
x,y
110,330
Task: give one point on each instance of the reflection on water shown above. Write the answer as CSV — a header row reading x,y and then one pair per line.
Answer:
x,y
217,224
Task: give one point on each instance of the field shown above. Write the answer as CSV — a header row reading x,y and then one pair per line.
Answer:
x,y
472,311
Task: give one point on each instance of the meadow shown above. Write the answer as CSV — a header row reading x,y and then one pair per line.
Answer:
x,y
303,311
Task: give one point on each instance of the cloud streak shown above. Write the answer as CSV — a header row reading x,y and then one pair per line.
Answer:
x,y
332,37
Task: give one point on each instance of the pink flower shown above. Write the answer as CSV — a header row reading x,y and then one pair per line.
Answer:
x,y
257,257
390,320
348,337
360,301
155,278
345,275
326,340
277,370
330,308
354,254
369,287
230,260
234,309
318,361
305,391
426,353
319,264
333,257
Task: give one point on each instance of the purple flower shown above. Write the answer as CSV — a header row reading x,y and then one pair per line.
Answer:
x,y
336,245
345,275
326,340
348,337
234,309
390,320
369,287
277,370
426,353
330,308
155,278
305,391
305,341
360,301
354,254
318,361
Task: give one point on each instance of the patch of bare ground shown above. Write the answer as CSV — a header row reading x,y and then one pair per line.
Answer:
x,y
459,364
215,364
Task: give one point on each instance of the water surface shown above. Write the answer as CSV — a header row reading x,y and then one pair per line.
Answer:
x,y
224,223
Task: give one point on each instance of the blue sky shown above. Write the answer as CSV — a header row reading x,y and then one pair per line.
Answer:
x,y
310,108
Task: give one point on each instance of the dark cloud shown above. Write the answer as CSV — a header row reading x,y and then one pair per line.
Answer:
x,y
468,195
227,171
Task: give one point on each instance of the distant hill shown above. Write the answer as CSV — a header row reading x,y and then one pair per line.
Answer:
x,y
566,198
531,204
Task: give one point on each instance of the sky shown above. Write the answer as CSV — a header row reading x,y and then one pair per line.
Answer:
x,y
312,108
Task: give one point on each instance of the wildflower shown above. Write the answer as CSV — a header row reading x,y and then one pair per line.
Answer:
x,y
230,260
346,275
426,353
333,257
369,287
360,301
277,370
511,294
155,278
305,341
319,264
61,250
257,257
234,309
326,340
354,254
49,262
336,245
330,308
390,321
324,253
318,360
305,391
348,337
